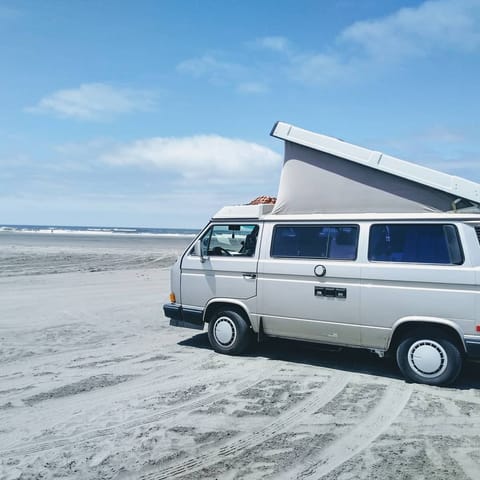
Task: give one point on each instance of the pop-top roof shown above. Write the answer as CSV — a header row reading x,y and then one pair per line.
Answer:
x,y
325,175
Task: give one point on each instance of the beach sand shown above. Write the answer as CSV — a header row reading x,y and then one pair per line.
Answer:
x,y
95,384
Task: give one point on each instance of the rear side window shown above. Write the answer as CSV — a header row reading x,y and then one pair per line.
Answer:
x,y
415,243
336,242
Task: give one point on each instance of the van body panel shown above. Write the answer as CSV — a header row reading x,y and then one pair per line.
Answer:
x,y
395,293
216,277
332,333
415,290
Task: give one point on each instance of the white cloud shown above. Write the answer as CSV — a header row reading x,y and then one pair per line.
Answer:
x,y
437,139
445,149
321,68
252,87
275,43
413,32
87,150
223,73
18,160
212,157
95,101
442,135
363,49
179,182
215,70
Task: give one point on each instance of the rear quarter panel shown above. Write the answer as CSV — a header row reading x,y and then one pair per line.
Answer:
x,y
397,292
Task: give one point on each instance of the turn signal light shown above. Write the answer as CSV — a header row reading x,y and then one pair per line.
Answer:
x,y
172,298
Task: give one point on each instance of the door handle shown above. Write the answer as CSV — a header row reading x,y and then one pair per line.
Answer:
x,y
250,275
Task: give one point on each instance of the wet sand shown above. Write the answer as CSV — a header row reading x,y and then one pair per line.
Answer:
x,y
95,384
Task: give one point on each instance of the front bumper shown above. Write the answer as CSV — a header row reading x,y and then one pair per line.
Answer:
x,y
184,317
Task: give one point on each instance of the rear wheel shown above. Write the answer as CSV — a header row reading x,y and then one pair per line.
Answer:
x,y
229,332
430,358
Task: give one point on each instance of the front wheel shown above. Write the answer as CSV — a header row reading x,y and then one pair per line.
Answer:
x,y
229,332
429,358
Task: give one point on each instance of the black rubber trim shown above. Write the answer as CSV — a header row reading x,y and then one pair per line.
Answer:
x,y
173,311
193,316
183,317
473,348
184,324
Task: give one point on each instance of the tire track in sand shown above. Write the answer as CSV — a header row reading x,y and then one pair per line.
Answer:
x,y
360,436
464,458
303,409
247,381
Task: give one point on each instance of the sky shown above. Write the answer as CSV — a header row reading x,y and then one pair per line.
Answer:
x,y
157,113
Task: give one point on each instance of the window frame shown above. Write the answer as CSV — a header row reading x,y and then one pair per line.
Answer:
x,y
209,232
277,226
416,224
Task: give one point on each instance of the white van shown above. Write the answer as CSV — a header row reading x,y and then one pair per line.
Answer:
x,y
402,283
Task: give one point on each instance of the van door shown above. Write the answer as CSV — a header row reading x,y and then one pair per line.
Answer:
x,y
309,282
226,268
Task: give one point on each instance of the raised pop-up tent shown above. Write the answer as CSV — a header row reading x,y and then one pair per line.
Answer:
x,y
324,175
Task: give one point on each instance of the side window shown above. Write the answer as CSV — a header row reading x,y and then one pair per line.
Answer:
x,y
415,243
335,242
230,240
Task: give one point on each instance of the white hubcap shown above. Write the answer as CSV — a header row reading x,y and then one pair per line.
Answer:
x,y
427,358
225,331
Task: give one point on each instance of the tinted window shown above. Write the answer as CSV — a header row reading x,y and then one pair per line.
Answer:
x,y
427,243
315,241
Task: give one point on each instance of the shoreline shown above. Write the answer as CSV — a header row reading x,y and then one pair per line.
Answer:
x,y
47,231
113,234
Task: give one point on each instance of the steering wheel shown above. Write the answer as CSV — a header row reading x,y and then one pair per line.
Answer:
x,y
221,251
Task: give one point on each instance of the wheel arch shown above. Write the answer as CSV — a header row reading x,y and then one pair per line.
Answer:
x,y
217,304
407,325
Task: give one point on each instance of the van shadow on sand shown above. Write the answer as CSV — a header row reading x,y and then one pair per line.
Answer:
x,y
340,358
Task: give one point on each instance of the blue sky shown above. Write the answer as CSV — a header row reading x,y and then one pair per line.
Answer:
x,y
158,113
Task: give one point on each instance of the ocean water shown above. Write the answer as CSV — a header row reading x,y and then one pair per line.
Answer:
x,y
35,250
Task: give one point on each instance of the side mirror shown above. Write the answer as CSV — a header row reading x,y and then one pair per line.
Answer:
x,y
197,248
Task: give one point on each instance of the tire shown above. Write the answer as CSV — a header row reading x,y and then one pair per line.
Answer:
x,y
229,332
430,358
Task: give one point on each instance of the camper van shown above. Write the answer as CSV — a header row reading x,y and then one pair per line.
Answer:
x,y
360,249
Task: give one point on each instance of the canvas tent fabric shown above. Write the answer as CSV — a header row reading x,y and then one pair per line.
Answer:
x,y
315,181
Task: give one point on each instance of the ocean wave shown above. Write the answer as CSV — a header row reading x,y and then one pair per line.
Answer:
x,y
79,230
